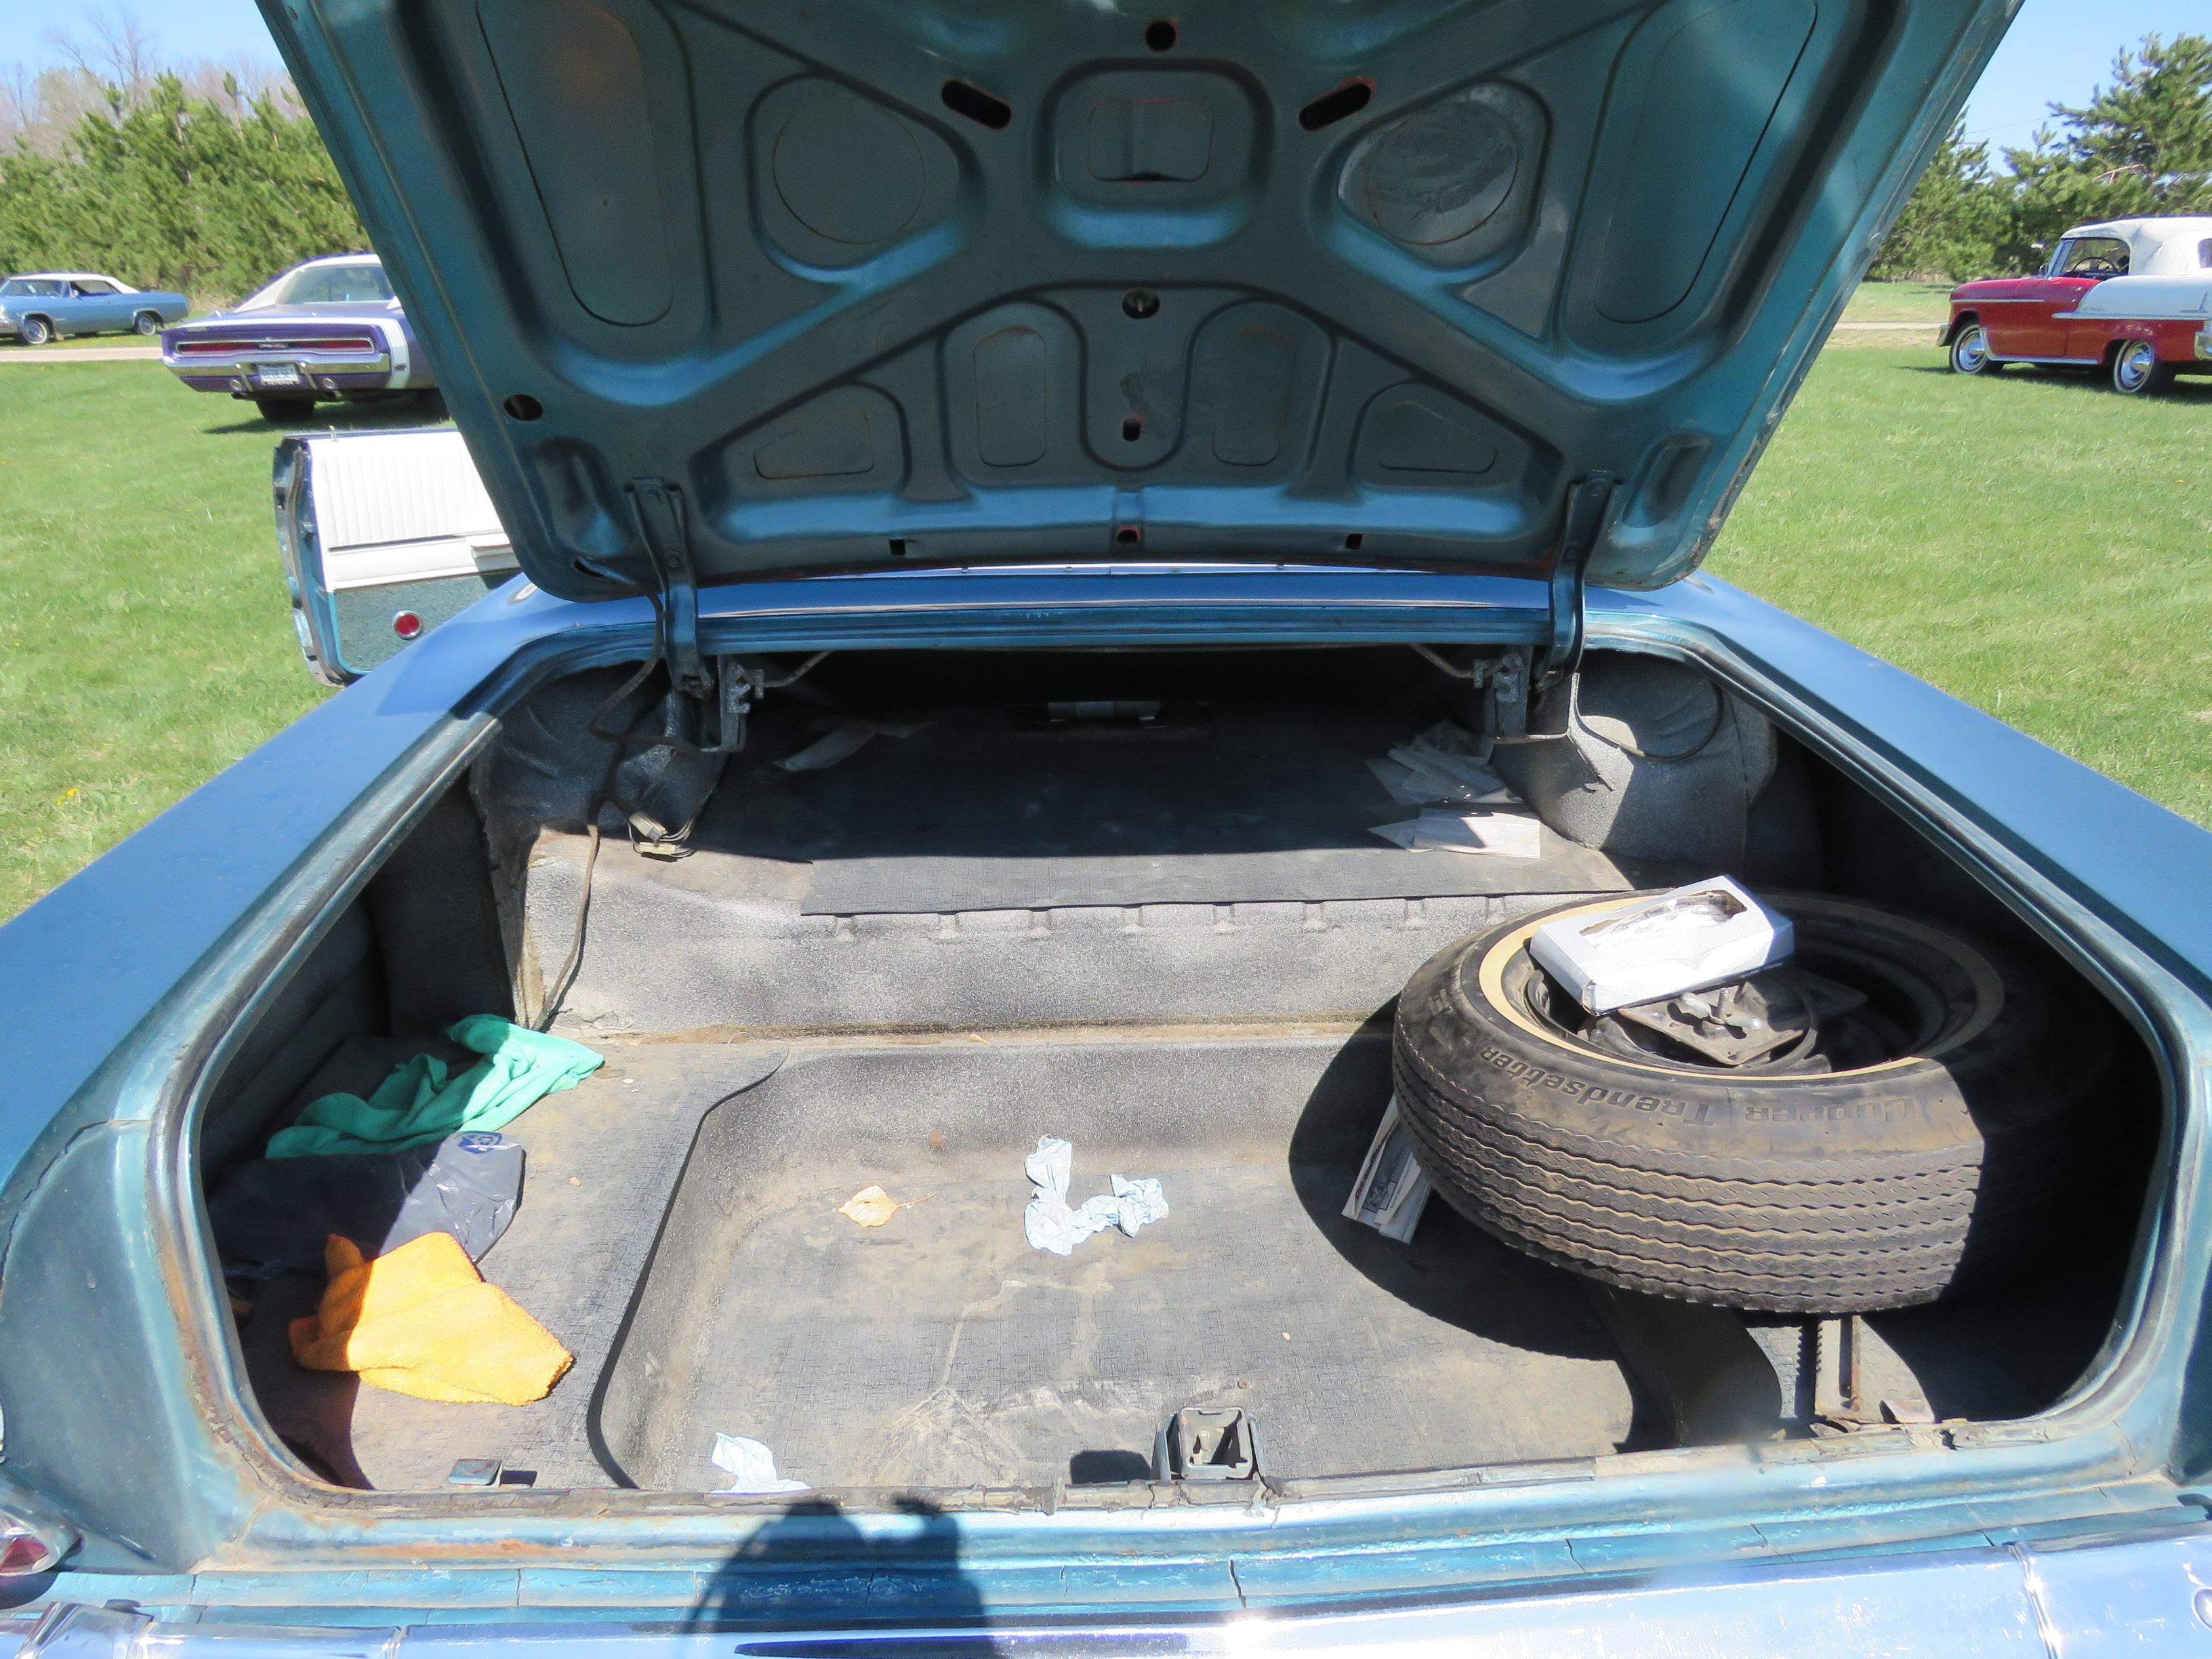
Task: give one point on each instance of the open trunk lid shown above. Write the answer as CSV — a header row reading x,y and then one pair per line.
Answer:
x,y
848,284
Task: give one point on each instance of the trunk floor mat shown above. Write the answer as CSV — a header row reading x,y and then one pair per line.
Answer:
x,y
941,1350
601,1161
695,1263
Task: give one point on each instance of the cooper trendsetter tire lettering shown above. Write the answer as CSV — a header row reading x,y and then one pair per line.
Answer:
x,y
1915,1145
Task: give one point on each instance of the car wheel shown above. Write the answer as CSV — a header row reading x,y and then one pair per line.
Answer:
x,y
281,411
1908,1144
2136,370
1970,352
36,330
146,322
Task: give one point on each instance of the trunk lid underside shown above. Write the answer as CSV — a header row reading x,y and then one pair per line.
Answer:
x,y
869,284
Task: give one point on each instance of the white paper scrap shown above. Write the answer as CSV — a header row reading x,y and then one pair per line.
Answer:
x,y
1425,755
1453,738
1411,788
1504,834
1510,834
751,1465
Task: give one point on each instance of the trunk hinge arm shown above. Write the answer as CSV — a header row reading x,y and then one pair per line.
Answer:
x,y
719,697
1585,518
660,511
1522,675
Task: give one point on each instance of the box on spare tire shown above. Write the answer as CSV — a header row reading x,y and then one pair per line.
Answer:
x,y
1921,1101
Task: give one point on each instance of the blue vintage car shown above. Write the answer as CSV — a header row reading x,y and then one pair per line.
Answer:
x,y
328,330
1087,583
39,307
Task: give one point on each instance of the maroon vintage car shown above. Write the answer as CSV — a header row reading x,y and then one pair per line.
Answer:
x,y
2130,298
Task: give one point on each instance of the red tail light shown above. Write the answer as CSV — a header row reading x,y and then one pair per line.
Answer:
x,y
240,346
26,1550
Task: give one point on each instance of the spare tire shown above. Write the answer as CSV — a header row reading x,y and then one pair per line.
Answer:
x,y
1927,1147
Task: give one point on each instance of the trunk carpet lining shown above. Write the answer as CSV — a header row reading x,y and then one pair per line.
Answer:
x,y
940,1350
600,1161
679,1232
978,874
1081,817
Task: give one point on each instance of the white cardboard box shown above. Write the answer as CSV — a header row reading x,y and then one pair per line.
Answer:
x,y
1392,1190
1705,934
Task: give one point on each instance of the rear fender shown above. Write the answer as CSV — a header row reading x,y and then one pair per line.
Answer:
x,y
2175,343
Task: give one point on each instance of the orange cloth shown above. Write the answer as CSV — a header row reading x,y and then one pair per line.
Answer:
x,y
421,1320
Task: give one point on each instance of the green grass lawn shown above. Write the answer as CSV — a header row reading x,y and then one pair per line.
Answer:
x,y
2032,543
145,643
1912,303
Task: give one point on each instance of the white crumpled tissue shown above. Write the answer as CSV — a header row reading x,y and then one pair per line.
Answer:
x,y
750,1465
1049,1224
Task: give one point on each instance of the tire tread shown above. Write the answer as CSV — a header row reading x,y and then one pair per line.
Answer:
x,y
1864,1229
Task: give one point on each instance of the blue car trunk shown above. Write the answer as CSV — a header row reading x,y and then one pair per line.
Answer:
x,y
1032,903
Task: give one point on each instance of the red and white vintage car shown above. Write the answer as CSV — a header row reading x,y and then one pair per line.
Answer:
x,y
2129,297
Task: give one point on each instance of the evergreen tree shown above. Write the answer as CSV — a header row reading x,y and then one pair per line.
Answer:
x,y
2142,145
2150,134
1950,228
209,196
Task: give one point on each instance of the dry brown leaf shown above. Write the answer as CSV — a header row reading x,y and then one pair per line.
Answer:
x,y
870,1206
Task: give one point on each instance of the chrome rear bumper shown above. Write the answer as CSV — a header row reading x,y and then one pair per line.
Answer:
x,y
2134,1594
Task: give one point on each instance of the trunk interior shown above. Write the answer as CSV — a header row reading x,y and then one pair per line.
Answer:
x,y
1131,900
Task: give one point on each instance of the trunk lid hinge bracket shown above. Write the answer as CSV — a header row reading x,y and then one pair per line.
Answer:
x,y
1522,676
720,700
1586,505
659,512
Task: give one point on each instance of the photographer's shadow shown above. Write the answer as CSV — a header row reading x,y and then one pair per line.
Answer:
x,y
816,1568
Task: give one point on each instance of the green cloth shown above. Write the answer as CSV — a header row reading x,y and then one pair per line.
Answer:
x,y
418,1105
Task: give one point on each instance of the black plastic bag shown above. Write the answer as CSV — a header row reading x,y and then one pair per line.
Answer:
x,y
273,1214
